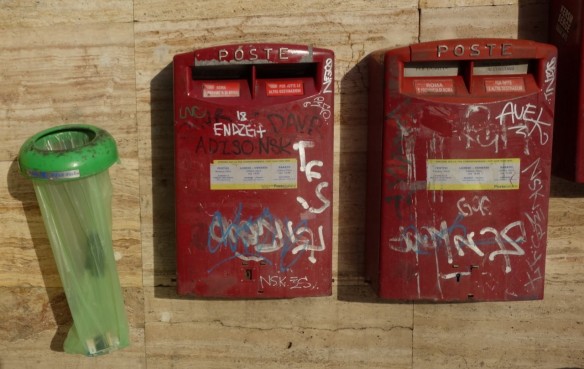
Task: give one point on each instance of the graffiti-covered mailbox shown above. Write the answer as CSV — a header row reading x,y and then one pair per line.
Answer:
x,y
460,136
253,170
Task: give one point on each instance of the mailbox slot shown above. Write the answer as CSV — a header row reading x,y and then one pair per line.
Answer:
x,y
271,80
467,79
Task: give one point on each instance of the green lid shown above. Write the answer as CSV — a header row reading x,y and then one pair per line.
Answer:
x,y
67,152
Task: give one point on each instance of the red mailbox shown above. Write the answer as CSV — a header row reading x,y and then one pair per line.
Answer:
x,y
460,137
566,34
253,130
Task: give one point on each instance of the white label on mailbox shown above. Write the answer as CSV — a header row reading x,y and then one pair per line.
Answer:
x,y
434,86
431,69
500,67
496,85
284,88
266,174
473,174
221,89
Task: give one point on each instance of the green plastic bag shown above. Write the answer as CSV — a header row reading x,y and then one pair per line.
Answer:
x,y
69,169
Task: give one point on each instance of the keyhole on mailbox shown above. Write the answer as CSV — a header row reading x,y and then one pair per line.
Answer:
x,y
248,274
458,277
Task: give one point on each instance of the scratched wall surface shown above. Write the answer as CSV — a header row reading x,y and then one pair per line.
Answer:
x,y
109,64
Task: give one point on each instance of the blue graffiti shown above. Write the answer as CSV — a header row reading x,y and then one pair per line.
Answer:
x,y
433,238
456,237
254,238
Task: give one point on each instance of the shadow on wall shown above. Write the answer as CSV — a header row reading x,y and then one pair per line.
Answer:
x,y
533,20
566,189
352,187
21,188
351,284
163,217
352,165
534,24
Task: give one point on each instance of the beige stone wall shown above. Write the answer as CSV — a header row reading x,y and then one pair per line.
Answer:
x,y
108,63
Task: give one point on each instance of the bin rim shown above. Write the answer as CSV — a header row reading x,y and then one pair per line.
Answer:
x,y
94,156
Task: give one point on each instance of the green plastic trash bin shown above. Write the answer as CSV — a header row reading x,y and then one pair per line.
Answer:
x,y
68,166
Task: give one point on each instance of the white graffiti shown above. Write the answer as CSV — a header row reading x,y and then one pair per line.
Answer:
x,y
307,168
325,202
479,130
502,236
478,204
310,173
454,275
241,116
436,150
238,129
535,274
436,145
318,102
419,241
525,121
328,76
285,281
550,78
536,215
242,128
408,146
537,218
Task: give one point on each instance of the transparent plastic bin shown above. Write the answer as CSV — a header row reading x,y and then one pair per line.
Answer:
x,y
68,166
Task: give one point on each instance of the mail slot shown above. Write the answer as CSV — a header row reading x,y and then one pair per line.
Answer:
x,y
459,158
566,34
253,128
